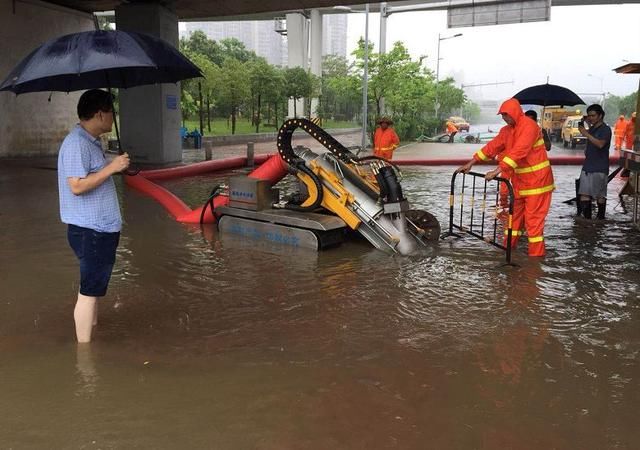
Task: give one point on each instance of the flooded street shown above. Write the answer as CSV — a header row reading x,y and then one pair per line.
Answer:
x,y
209,341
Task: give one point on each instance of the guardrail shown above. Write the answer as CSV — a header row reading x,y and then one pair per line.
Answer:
x,y
495,210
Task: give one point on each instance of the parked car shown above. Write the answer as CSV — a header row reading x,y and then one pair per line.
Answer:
x,y
460,123
570,134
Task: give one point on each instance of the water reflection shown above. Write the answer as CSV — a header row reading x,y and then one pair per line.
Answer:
x,y
252,345
88,379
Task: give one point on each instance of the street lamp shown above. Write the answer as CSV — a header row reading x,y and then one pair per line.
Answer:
x,y
601,86
437,105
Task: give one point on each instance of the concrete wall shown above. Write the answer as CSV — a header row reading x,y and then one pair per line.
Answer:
x,y
29,124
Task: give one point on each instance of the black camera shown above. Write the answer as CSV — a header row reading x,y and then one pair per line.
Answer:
x,y
581,123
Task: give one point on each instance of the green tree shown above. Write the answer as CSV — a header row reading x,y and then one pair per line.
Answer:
x,y
234,48
276,97
298,84
340,98
233,88
199,43
263,79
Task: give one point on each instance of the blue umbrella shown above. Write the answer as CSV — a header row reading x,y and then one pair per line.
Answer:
x,y
99,59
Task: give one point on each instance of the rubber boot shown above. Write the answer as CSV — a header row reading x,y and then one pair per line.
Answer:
x,y
578,202
602,207
585,206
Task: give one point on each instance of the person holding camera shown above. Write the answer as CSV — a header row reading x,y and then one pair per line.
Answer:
x,y
593,178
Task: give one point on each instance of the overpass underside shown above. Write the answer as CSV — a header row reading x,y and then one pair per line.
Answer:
x,y
150,121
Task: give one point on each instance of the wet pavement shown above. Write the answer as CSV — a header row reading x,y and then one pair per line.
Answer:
x,y
209,341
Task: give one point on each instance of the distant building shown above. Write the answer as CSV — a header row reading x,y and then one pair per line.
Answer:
x,y
261,36
334,35
257,35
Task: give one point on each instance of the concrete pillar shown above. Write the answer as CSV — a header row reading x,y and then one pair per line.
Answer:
x,y
30,125
316,53
150,115
297,46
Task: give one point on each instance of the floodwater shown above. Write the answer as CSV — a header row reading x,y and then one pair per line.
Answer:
x,y
214,342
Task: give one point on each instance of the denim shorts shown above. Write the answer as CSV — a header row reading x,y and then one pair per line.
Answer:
x,y
96,252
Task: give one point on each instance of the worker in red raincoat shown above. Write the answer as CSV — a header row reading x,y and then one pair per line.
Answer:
x,y
385,139
524,161
619,131
630,132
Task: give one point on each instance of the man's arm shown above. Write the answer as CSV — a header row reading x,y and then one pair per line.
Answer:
x,y
80,186
600,143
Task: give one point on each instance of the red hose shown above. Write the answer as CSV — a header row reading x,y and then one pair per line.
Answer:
x,y
555,160
274,169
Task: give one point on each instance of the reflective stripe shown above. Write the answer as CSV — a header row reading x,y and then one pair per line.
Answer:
x,y
509,162
537,191
514,232
539,142
536,239
530,169
386,148
480,154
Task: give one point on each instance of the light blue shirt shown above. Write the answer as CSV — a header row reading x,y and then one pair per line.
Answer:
x,y
98,209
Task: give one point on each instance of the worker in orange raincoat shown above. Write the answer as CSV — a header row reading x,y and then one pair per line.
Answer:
x,y
385,139
630,132
452,129
619,131
522,158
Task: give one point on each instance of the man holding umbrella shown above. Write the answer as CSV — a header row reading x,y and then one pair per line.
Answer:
x,y
89,204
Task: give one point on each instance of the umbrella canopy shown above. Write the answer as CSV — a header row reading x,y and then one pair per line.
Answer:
x,y
99,59
548,95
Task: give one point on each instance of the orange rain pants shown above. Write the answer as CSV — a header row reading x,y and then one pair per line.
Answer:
x,y
630,134
619,132
529,213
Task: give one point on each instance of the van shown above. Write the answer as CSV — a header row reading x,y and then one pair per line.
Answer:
x,y
570,133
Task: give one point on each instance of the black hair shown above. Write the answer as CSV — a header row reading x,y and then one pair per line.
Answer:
x,y
596,109
532,114
93,101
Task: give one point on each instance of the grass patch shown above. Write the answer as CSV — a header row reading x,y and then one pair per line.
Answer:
x,y
219,126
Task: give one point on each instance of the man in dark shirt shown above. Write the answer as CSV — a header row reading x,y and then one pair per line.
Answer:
x,y
593,178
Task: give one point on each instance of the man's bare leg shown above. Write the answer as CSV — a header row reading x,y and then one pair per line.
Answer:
x,y
95,315
83,314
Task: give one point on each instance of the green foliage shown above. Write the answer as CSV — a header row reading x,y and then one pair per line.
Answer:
x,y
408,89
614,106
238,84
233,89
297,84
471,111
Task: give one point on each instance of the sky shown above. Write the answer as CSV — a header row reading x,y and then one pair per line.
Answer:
x,y
578,41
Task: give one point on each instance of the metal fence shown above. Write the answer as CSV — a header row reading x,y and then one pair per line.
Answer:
x,y
482,209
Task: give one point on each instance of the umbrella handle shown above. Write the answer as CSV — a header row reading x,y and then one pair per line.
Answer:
x,y
130,172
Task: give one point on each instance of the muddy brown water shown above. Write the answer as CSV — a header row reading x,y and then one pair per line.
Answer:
x,y
217,342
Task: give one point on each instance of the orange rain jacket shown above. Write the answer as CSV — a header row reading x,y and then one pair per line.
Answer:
x,y
451,127
619,131
630,133
620,127
385,142
522,154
